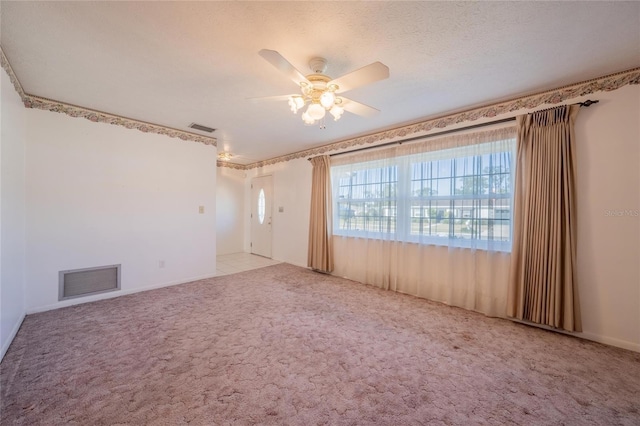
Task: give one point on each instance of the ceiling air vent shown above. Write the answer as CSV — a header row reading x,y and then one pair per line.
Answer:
x,y
201,128
83,282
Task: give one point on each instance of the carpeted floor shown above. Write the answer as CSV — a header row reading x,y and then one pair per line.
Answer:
x,y
285,346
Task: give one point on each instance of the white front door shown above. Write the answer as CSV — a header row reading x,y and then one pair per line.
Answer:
x,y
261,202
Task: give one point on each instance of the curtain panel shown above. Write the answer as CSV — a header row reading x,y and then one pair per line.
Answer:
x,y
543,265
430,219
320,252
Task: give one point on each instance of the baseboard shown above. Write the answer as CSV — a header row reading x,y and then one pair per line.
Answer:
x,y
624,344
111,295
12,335
611,341
296,264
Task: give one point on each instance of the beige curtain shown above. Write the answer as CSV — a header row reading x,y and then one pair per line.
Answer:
x,y
320,256
542,286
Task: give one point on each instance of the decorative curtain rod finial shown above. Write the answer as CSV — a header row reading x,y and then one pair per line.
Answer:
x,y
588,103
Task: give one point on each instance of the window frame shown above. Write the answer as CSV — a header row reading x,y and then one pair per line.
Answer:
x,y
405,201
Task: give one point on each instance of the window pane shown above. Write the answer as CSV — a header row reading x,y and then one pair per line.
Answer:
x,y
261,206
365,200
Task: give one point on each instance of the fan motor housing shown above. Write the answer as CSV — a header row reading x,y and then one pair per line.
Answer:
x,y
320,82
318,65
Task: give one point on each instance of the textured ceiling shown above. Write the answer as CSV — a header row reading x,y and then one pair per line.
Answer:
x,y
174,63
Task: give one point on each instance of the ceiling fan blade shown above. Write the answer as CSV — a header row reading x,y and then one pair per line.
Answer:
x,y
278,61
358,108
365,75
270,98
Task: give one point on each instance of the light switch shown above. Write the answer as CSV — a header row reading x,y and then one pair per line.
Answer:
x,y
201,209
281,209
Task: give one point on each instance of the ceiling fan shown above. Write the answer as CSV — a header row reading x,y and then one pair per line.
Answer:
x,y
320,93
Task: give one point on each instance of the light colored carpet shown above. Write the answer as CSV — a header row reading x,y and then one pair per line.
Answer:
x,y
284,345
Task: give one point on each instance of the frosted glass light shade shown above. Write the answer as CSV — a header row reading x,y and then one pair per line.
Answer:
x,y
327,99
336,112
307,119
295,103
316,111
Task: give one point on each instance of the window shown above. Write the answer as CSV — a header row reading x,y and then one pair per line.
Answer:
x,y
261,206
458,196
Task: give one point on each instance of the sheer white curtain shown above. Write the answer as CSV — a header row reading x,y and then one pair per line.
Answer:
x,y
431,219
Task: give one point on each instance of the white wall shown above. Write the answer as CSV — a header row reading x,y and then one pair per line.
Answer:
x,y
292,192
608,191
99,194
230,210
12,212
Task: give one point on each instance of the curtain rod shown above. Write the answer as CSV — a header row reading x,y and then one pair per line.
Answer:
x,y
586,103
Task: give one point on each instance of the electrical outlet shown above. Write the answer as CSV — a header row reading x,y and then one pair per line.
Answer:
x,y
201,209
281,209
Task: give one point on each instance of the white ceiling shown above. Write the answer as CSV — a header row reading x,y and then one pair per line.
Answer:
x,y
174,63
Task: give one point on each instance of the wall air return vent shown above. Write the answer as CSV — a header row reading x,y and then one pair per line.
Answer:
x,y
201,128
84,282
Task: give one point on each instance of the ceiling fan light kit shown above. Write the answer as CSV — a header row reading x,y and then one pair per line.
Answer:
x,y
224,156
318,91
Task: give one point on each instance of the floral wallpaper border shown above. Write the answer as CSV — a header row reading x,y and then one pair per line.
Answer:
x,y
233,165
12,76
31,101
555,96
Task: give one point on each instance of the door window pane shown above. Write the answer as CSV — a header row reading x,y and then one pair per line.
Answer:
x,y
261,206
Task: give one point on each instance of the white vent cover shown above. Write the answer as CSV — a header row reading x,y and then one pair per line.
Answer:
x,y
83,282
